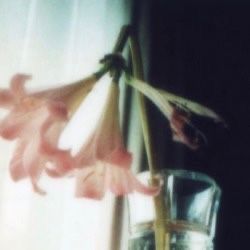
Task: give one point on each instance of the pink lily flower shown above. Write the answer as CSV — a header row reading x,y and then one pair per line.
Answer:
x,y
93,182
36,121
103,163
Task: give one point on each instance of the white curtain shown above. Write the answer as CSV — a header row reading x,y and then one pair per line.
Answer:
x,y
54,41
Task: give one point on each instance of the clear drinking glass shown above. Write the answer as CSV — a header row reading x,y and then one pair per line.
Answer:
x,y
192,201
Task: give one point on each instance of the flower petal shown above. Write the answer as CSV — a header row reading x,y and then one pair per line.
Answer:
x,y
32,158
37,120
141,188
90,183
12,125
103,162
106,144
122,181
17,170
119,157
6,98
17,84
164,100
60,161
184,131
93,182
71,95
178,110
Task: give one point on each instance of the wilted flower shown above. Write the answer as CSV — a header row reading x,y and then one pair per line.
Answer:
x,y
179,112
183,130
103,163
36,121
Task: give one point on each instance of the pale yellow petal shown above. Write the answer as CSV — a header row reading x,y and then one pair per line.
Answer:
x,y
165,100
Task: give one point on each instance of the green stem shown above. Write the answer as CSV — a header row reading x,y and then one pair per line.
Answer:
x,y
118,48
162,242
138,73
122,39
102,71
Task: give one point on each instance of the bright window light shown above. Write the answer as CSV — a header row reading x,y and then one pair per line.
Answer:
x,y
57,41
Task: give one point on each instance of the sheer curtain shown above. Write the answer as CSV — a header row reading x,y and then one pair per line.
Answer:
x,y
54,41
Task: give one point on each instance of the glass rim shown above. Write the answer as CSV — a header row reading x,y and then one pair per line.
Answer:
x,y
186,174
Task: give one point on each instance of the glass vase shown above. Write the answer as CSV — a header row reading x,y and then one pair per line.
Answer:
x,y
191,202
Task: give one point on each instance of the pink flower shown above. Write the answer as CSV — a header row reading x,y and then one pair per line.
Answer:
x,y
178,111
36,121
103,163
93,182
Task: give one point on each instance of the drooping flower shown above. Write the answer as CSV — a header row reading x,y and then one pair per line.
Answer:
x,y
103,163
184,131
94,182
36,121
178,111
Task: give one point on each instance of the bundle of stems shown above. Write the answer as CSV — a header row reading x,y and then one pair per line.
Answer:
x,y
127,34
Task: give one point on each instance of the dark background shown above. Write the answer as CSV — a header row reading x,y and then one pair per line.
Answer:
x,y
202,51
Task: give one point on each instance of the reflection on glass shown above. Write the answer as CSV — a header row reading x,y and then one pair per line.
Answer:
x,y
191,200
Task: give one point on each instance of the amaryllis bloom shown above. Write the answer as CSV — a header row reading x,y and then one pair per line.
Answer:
x,y
36,121
103,163
178,111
